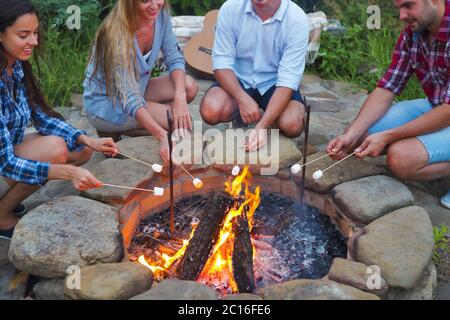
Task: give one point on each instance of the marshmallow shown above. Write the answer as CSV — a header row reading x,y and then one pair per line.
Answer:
x,y
198,184
159,192
236,171
296,168
157,167
318,174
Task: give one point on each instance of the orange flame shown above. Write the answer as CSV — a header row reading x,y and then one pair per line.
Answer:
x,y
219,266
168,261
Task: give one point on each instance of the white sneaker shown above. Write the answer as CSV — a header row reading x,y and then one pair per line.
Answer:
x,y
445,200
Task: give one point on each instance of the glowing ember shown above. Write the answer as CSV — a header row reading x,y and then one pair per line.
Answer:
x,y
159,270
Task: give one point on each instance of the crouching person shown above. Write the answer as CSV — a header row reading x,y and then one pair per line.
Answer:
x,y
27,161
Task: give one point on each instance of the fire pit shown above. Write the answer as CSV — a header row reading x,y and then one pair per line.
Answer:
x,y
238,240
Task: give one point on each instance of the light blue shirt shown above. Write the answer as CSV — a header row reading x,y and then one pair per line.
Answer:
x,y
262,53
115,111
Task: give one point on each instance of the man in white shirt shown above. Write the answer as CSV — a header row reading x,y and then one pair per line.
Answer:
x,y
258,60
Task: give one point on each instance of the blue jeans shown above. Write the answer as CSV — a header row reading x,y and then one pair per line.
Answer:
x,y
437,144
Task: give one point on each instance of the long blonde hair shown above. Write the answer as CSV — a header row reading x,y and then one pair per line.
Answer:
x,y
113,47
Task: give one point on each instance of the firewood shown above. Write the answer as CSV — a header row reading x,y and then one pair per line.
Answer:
x,y
243,256
204,238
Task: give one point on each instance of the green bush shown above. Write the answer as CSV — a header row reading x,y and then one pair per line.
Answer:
x,y
361,56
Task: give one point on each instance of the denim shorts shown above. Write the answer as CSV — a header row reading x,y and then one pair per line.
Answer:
x,y
105,126
437,144
263,100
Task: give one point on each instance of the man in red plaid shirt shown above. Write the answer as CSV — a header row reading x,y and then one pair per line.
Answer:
x,y
415,134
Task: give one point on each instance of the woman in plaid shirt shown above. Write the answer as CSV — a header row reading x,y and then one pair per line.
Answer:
x,y
56,151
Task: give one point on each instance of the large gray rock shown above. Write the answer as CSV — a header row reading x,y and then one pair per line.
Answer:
x,y
313,290
112,281
49,289
439,215
356,275
174,289
350,169
424,290
65,232
223,153
53,189
368,199
127,173
324,127
400,244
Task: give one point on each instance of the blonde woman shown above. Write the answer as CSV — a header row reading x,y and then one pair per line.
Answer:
x,y
120,96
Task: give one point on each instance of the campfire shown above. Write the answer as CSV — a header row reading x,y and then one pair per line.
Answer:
x,y
219,250
238,239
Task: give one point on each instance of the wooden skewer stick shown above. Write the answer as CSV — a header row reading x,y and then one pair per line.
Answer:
x,y
305,150
315,160
155,167
335,164
172,205
129,188
128,156
181,166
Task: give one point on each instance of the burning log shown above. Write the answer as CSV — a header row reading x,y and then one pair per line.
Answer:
x,y
243,256
204,238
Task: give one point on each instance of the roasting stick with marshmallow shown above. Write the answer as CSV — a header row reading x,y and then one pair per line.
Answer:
x,y
297,168
319,173
198,184
157,191
155,167
236,168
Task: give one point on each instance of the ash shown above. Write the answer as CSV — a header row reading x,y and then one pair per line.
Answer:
x,y
304,241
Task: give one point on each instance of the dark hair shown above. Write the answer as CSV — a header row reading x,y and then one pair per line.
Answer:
x,y
10,11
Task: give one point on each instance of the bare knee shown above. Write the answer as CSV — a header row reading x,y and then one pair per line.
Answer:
x,y
399,161
80,158
210,110
191,89
59,153
291,127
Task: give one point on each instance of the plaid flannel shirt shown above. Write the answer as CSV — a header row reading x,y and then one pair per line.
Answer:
x,y
430,63
15,115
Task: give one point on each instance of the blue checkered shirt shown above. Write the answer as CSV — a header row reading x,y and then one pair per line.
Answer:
x,y
15,115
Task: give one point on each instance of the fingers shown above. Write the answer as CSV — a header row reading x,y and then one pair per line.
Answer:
x,y
86,181
189,122
364,149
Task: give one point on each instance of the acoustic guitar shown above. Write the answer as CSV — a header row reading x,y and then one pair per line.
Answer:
x,y
198,50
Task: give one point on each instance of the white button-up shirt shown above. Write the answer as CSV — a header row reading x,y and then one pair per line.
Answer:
x,y
262,53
